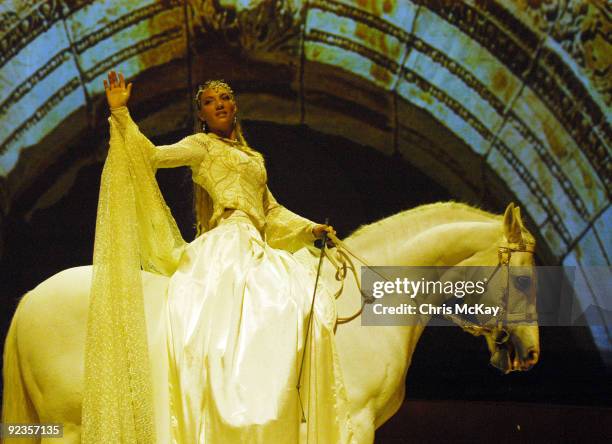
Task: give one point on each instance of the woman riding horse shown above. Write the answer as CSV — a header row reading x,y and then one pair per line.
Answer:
x,y
237,301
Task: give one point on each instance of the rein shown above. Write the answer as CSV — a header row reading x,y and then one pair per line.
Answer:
x,y
343,263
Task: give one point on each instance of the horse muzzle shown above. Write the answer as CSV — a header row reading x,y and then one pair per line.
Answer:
x,y
511,353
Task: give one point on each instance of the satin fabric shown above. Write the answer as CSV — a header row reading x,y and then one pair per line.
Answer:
x,y
237,316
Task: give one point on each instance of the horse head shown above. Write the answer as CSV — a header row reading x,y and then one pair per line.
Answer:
x,y
512,338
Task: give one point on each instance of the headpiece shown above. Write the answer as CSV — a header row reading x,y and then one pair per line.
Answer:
x,y
215,85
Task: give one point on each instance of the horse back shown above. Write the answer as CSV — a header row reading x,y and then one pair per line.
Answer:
x,y
47,341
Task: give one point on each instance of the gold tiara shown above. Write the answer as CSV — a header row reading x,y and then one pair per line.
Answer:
x,y
214,85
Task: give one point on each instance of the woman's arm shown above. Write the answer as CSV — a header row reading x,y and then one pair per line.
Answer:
x,y
287,230
189,151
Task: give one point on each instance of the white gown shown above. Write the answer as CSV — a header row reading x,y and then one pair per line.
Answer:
x,y
237,311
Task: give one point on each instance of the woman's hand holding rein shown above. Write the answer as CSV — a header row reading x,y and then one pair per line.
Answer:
x,y
117,94
319,229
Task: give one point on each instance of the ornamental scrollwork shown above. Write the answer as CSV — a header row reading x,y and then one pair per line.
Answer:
x,y
264,26
584,31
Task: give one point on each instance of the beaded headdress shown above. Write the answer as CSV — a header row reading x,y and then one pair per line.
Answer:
x,y
215,85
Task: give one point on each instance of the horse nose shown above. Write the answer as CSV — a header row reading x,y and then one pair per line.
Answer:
x,y
531,359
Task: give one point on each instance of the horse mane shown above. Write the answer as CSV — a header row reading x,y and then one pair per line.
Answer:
x,y
448,211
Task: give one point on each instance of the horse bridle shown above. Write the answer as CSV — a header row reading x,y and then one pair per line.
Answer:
x,y
504,254
343,264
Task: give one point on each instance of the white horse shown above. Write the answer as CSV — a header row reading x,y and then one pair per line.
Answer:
x,y
44,349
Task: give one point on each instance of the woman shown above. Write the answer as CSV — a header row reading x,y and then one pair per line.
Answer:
x,y
238,297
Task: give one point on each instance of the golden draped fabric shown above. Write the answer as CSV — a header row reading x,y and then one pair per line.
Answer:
x,y
134,229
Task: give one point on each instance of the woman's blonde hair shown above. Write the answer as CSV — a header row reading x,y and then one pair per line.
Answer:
x,y
202,202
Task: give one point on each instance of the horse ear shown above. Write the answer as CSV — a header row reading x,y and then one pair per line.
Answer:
x,y
508,214
512,223
518,218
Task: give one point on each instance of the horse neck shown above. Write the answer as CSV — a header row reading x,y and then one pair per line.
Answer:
x,y
431,241
441,243
414,238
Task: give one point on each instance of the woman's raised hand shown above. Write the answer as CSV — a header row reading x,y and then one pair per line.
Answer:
x,y
117,94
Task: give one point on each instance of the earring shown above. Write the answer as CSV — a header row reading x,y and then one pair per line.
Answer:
x,y
204,127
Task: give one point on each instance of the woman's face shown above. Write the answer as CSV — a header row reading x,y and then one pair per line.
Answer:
x,y
217,109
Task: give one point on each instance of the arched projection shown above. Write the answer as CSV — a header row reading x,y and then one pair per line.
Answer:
x,y
462,89
501,81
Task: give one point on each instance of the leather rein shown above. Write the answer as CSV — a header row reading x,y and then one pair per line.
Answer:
x,y
343,263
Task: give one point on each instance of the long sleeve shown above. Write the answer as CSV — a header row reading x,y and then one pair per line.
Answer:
x,y
134,230
189,151
285,229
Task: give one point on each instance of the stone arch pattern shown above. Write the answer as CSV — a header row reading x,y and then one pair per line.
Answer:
x,y
521,91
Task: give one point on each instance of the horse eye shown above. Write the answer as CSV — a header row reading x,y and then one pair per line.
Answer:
x,y
523,283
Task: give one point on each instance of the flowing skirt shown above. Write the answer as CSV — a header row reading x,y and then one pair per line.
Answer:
x,y
237,321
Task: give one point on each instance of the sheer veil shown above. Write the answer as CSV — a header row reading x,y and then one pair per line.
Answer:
x,y
135,231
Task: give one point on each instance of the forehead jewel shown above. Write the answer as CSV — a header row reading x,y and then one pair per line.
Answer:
x,y
215,85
